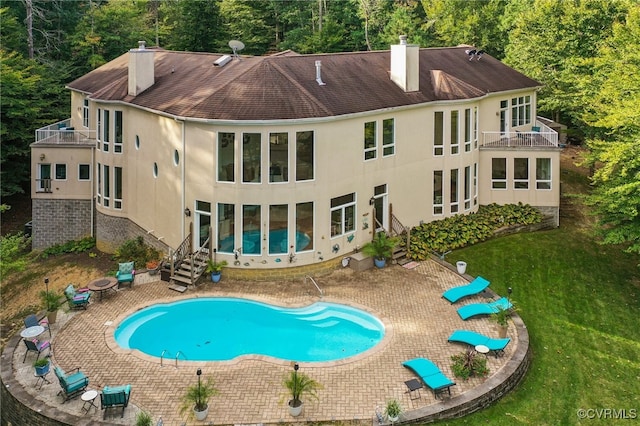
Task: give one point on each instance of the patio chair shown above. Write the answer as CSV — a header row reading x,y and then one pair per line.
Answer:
x,y
125,274
475,309
32,320
430,375
73,382
36,346
478,285
114,397
76,300
474,339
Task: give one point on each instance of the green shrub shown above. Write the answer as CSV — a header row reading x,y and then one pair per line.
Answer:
x,y
469,363
136,250
72,246
459,231
13,249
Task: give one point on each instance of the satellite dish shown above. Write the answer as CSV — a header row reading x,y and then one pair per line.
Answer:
x,y
236,46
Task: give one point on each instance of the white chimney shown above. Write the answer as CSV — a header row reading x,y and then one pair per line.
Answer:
x,y
141,69
405,65
319,74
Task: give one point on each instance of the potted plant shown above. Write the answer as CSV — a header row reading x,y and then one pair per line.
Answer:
x,y
299,384
51,302
380,248
42,366
153,266
197,397
215,269
393,410
143,419
501,318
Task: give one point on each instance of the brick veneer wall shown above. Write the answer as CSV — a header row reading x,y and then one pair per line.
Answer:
x,y
59,221
112,231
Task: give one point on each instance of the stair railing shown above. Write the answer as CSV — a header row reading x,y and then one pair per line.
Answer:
x,y
198,269
181,253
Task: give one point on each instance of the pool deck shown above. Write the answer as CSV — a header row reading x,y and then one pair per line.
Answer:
x,y
250,389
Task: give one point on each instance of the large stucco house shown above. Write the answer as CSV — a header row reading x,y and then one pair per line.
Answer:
x,y
289,160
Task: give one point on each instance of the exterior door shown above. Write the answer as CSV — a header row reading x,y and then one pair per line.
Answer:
x,y
381,206
44,178
504,117
201,224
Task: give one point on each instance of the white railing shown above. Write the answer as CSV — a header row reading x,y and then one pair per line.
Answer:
x,y
520,139
62,133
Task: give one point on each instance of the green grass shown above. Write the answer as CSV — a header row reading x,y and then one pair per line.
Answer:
x,y
580,302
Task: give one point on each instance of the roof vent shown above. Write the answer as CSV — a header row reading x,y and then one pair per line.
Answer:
x,y
319,74
141,44
222,61
403,39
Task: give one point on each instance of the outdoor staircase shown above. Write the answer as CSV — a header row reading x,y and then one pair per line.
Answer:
x,y
399,256
190,269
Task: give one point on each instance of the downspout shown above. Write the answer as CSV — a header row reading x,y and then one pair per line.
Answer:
x,y
93,189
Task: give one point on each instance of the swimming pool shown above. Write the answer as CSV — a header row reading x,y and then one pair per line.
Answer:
x,y
220,329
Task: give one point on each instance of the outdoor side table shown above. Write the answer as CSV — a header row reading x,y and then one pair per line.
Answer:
x,y
89,397
31,332
41,379
482,349
413,385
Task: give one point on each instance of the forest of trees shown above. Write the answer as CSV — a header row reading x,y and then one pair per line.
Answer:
x,y
585,52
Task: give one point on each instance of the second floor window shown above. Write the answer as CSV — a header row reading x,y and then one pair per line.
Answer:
x,y
61,171
438,133
388,137
226,156
117,143
251,156
455,139
105,133
85,113
520,111
304,156
370,145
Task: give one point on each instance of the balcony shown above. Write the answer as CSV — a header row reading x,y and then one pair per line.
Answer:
x,y
540,136
61,133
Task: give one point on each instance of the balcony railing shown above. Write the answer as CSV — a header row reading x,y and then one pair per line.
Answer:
x,y
540,136
62,133
43,185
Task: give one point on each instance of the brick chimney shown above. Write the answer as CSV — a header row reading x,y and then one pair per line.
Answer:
x,y
141,69
405,67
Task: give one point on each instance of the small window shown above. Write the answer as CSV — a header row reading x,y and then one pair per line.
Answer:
x,y
388,137
521,173
117,143
155,170
438,133
137,142
543,173
499,173
61,171
437,192
84,171
343,214
370,137
176,157
454,134
85,113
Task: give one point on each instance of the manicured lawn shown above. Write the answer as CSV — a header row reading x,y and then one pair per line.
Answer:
x,y
581,304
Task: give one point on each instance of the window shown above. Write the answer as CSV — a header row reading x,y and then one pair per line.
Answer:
x,y
44,177
278,156
437,192
504,106
475,184
117,187
343,214
520,111
475,127
251,241
455,140
99,184
226,156
438,133
279,229
521,173
105,131
370,140
226,229
543,173
155,170
499,173
85,113
304,226
137,142
117,143
176,157
251,155
453,191
379,200
202,223
61,172
467,130
106,188
304,157
84,171
388,137
467,187
99,127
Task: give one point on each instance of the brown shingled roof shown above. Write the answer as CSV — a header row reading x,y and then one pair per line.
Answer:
x,y
284,86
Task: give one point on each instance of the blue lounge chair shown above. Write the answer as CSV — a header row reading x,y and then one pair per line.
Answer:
x,y
73,383
126,274
114,397
473,309
430,375
476,286
76,300
474,339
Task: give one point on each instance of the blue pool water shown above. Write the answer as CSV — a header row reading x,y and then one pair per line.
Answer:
x,y
278,241
219,329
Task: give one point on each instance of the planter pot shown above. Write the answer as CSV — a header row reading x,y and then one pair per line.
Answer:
x,y
215,276
393,419
462,267
379,263
52,316
295,411
201,415
41,371
502,331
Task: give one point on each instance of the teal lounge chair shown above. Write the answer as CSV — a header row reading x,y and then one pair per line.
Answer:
x,y
126,274
474,309
76,300
474,339
476,286
73,383
114,397
430,375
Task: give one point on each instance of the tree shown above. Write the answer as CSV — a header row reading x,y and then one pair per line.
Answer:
x,y
192,25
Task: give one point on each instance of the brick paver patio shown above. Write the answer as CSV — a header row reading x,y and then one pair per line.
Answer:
x,y
409,302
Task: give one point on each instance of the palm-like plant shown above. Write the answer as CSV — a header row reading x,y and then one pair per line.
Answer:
x,y
381,247
300,384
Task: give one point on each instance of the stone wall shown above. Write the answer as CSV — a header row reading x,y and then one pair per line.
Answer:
x,y
59,221
112,232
